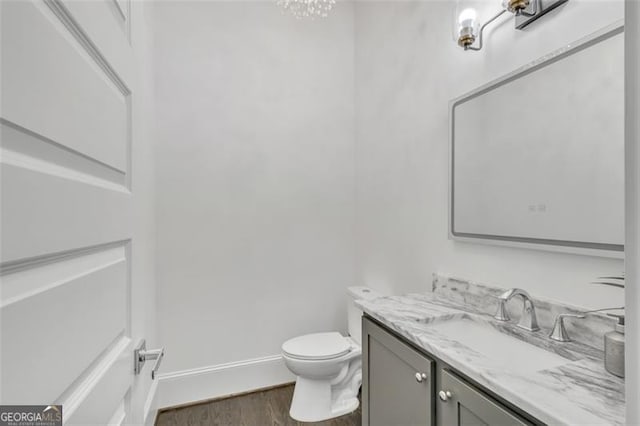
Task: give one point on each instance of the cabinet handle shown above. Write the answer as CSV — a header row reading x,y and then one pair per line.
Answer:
x,y
444,395
420,377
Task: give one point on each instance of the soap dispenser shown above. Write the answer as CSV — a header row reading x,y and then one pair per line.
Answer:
x,y
614,348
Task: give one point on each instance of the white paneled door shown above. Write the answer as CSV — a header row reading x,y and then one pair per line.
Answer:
x,y
68,77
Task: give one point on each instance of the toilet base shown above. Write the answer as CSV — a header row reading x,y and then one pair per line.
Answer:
x,y
317,400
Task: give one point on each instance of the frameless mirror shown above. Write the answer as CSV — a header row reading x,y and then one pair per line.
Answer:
x,y
537,157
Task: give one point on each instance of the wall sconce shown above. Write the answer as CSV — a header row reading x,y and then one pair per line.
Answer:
x,y
524,11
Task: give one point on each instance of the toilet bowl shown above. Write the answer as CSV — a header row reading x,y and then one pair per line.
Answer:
x,y
328,367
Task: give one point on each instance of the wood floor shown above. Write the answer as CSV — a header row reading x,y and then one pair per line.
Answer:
x,y
268,407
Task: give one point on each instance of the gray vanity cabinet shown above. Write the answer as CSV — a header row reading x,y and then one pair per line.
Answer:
x,y
403,386
459,404
397,382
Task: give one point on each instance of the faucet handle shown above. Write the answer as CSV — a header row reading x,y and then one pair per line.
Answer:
x,y
502,314
559,332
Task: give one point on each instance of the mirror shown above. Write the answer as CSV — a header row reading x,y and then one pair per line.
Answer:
x,y
537,156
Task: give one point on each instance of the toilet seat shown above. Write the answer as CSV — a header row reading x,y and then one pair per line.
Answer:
x,y
317,346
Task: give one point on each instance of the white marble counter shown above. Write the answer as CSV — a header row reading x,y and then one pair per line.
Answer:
x,y
580,392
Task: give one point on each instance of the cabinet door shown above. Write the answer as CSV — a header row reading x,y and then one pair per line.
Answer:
x,y
397,381
461,405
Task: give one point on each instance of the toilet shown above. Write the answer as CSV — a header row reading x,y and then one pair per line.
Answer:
x,y
328,366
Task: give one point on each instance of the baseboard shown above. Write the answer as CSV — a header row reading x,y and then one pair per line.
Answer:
x,y
201,384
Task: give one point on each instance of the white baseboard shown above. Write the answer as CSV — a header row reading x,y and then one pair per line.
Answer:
x,y
199,384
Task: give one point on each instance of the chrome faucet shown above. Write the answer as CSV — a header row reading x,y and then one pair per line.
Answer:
x,y
528,319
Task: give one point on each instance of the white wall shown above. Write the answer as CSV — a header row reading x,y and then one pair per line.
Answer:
x,y
408,68
255,178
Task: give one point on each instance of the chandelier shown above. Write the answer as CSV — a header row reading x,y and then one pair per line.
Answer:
x,y
307,8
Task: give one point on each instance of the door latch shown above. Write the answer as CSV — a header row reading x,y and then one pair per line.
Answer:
x,y
142,355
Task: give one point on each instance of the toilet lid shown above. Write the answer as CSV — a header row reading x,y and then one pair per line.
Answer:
x,y
317,346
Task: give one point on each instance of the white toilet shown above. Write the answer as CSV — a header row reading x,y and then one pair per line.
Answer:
x,y
328,366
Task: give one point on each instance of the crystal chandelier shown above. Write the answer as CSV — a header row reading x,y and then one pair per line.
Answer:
x,y
307,8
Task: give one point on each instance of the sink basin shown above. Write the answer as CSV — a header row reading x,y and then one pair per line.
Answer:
x,y
507,352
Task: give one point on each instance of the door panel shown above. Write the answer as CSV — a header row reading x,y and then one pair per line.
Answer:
x,y
43,213
469,407
393,395
106,24
81,103
49,315
110,387
66,219
468,418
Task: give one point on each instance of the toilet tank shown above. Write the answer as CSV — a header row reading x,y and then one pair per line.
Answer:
x,y
354,314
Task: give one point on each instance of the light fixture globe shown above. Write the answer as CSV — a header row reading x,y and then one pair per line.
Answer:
x,y
307,8
467,28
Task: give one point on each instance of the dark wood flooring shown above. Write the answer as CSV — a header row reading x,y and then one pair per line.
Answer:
x,y
266,407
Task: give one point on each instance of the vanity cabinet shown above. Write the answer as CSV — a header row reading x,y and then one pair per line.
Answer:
x,y
403,385
397,380
462,405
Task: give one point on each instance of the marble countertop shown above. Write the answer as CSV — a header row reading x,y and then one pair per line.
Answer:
x,y
580,392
